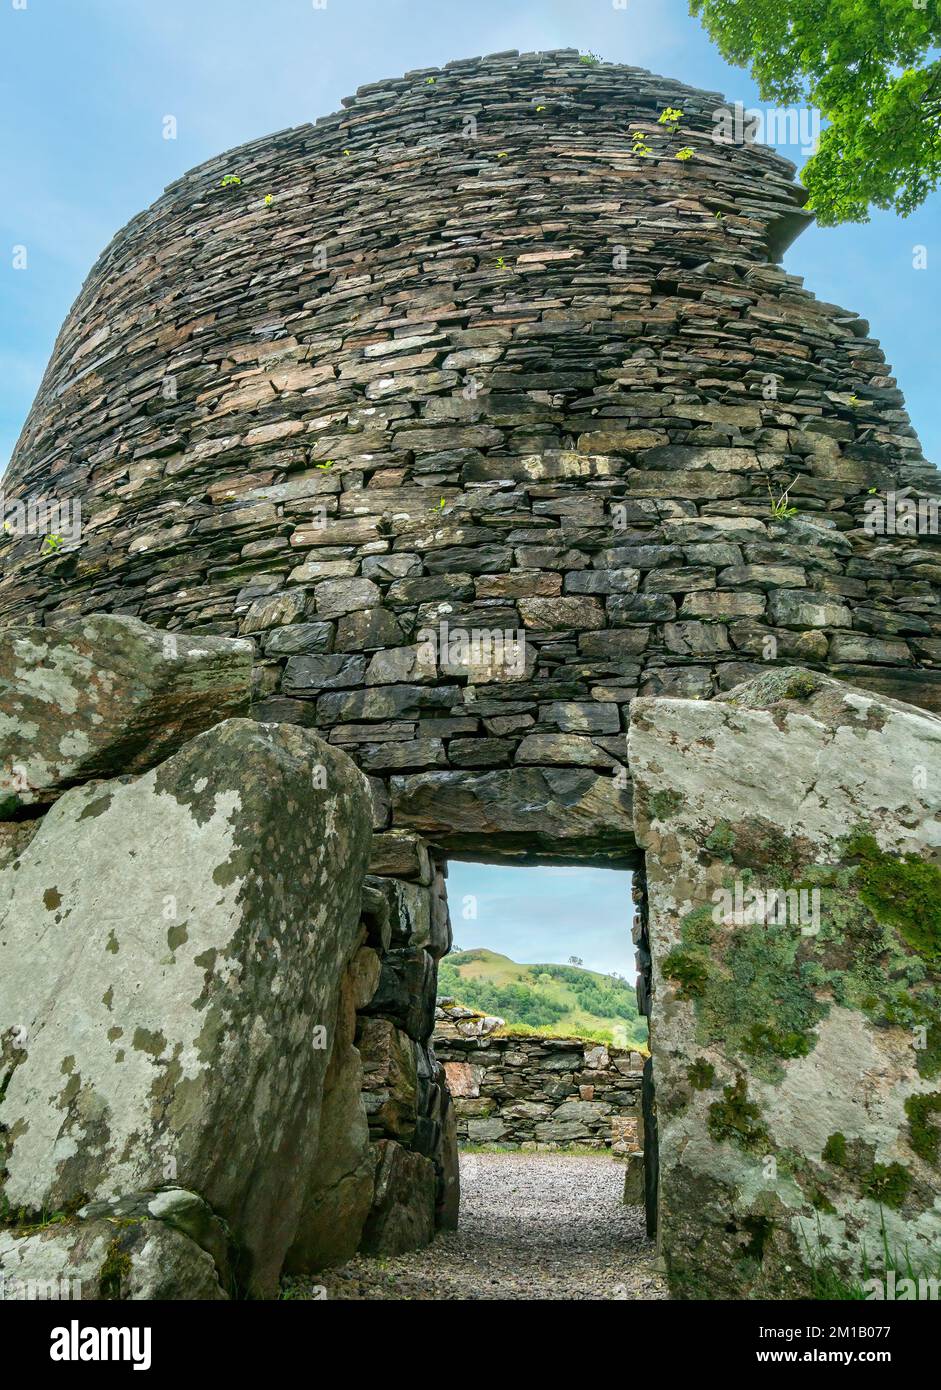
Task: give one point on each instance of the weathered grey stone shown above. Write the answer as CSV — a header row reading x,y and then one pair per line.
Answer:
x,y
403,1214
107,695
390,1079
98,1259
543,809
341,1183
163,960
792,785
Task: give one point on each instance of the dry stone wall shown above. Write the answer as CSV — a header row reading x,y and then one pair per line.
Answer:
x,y
539,1093
466,412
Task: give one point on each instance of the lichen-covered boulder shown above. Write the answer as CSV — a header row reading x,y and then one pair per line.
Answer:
x,y
134,1250
171,950
106,696
793,861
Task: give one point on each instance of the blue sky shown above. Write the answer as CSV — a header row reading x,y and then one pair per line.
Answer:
x,y
84,89
544,915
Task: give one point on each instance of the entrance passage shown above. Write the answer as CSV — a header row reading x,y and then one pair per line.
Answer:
x,y
533,1226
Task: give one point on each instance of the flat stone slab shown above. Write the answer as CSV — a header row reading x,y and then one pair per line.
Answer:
x,y
104,697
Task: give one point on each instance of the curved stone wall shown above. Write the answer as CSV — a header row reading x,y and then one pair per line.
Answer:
x,y
462,354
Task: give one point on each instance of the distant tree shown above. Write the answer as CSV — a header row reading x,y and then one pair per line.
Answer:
x,y
871,67
576,960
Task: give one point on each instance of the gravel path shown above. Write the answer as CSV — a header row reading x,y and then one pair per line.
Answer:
x,y
533,1226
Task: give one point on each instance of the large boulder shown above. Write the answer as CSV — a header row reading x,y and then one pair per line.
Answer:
x,y
793,869
171,950
106,696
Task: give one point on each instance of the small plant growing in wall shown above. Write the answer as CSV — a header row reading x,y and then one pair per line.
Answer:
x,y
589,59
501,263
670,116
230,181
51,543
325,466
686,153
780,506
639,145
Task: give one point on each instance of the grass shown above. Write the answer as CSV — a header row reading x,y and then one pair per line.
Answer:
x,y
831,1285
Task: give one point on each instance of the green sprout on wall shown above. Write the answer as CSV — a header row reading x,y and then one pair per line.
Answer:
x,y
540,108
502,154
639,146
589,59
780,508
501,263
52,542
686,153
268,200
324,466
671,116
430,81
230,181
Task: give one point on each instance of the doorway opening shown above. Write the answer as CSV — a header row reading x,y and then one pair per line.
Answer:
x,y
541,1028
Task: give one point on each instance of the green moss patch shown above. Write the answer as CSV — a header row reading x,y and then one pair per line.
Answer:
x,y
903,891
737,1120
924,1135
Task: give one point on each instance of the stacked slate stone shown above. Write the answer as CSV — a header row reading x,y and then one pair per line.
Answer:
x,y
469,352
408,1107
537,1093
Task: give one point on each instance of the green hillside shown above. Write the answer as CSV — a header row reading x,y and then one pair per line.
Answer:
x,y
556,1000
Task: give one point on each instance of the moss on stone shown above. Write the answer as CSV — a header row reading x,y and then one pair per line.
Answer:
x,y
903,891
663,805
721,840
737,1120
688,972
924,1136
702,1074
834,1150
888,1184
115,1271
758,1002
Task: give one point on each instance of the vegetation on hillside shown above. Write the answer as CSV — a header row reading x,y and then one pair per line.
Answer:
x,y
556,1000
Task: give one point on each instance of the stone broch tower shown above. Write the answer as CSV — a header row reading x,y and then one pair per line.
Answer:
x,y
496,348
